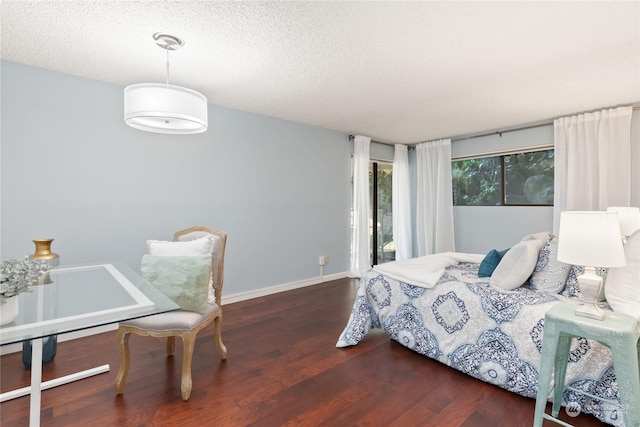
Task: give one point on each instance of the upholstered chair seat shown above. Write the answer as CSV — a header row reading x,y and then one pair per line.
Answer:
x,y
174,321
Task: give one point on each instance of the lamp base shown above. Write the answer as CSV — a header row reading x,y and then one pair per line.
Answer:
x,y
591,311
590,285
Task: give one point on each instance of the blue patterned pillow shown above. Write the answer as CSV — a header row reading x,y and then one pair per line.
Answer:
x,y
571,288
549,275
490,262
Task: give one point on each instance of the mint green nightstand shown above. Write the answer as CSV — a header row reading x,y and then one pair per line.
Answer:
x,y
617,331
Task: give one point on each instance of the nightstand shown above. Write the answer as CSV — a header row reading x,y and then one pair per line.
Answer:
x,y
617,331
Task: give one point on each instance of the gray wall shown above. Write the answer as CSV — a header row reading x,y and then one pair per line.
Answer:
x,y
73,171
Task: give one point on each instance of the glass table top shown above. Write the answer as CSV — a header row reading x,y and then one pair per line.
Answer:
x,y
84,296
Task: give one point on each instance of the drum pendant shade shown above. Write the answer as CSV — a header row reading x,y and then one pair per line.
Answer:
x,y
165,108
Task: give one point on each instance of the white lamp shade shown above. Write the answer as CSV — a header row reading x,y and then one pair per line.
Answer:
x,y
629,219
165,108
590,239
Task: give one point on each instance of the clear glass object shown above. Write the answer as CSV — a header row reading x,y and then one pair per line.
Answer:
x,y
84,296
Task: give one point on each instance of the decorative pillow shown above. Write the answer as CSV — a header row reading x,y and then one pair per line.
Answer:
x,y
623,283
571,288
216,243
516,265
201,246
184,279
490,262
549,274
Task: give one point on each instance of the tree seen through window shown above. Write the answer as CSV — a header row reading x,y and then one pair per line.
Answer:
x,y
511,179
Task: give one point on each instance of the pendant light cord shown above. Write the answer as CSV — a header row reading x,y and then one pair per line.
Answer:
x,y
167,67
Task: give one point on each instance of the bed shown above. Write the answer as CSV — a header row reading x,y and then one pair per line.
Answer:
x,y
495,335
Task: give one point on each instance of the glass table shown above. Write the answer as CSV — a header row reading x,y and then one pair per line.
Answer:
x,y
75,298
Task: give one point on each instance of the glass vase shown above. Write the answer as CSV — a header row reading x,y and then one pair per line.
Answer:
x,y
9,310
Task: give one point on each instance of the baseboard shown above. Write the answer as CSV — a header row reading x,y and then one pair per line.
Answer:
x,y
243,296
226,299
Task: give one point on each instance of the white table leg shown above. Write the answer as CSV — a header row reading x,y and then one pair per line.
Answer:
x,y
14,394
36,381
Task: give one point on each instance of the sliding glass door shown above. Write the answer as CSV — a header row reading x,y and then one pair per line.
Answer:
x,y
380,217
381,227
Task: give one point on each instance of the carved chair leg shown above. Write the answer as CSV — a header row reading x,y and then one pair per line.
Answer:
x,y
188,342
123,350
171,345
217,334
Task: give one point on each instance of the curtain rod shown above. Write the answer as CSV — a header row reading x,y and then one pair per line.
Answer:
x,y
498,132
351,138
463,138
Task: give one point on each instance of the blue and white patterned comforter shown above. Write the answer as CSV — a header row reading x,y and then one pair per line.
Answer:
x,y
492,335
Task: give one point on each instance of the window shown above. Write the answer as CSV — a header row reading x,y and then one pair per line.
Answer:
x,y
518,179
382,248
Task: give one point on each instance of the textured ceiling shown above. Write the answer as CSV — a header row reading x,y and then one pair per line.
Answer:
x,y
395,71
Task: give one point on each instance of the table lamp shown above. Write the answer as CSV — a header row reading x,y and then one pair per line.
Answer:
x,y
591,239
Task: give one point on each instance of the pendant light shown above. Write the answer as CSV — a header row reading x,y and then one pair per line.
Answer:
x,y
165,108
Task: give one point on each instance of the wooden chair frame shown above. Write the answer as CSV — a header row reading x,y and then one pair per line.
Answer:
x,y
188,336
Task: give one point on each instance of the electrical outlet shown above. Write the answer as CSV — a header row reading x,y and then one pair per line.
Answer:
x,y
326,259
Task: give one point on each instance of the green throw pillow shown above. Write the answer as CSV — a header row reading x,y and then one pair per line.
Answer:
x,y
184,279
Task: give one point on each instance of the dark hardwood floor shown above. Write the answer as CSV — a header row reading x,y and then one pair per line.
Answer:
x,y
283,369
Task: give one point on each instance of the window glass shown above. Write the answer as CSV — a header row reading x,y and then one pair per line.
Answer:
x,y
385,248
476,182
508,180
528,178
380,212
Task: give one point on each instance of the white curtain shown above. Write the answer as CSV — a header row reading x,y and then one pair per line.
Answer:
x,y
360,237
434,210
401,203
592,161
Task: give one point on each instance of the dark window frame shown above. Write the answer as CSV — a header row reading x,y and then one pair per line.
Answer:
x,y
503,177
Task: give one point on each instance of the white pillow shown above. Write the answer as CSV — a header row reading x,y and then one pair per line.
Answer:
x,y
544,236
201,246
623,283
516,265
